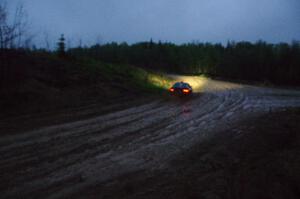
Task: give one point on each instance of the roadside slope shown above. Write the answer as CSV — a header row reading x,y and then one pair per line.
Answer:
x,y
37,85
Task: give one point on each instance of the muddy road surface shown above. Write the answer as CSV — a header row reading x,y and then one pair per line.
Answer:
x,y
64,161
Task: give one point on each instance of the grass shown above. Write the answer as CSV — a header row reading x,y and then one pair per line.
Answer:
x,y
135,77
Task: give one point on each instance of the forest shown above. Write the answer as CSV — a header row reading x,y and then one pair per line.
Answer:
x,y
255,62
264,62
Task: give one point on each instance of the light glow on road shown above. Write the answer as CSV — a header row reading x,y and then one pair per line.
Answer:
x,y
201,84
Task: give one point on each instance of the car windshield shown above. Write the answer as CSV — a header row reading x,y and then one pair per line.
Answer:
x,y
177,85
181,85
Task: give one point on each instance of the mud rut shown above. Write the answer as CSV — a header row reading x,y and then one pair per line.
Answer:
x,y
57,161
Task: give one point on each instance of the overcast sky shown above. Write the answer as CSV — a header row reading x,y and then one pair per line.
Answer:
x,y
177,21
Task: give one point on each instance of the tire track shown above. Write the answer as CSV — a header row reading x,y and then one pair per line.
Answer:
x,y
61,159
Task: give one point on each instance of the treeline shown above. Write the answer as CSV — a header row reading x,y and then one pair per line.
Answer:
x,y
260,61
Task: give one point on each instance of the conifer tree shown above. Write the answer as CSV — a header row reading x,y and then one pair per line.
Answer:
x,y
61,46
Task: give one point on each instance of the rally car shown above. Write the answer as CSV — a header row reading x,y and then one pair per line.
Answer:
x,y
181,89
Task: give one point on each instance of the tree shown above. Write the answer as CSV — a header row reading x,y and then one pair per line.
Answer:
x,y
12,35
61,46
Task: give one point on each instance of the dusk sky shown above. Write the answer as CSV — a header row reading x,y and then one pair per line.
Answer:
x,y
176,21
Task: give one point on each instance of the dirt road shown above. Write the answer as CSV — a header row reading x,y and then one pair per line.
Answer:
x,y
63,160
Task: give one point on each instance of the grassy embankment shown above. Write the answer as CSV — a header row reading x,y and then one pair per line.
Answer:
x,y
35,82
